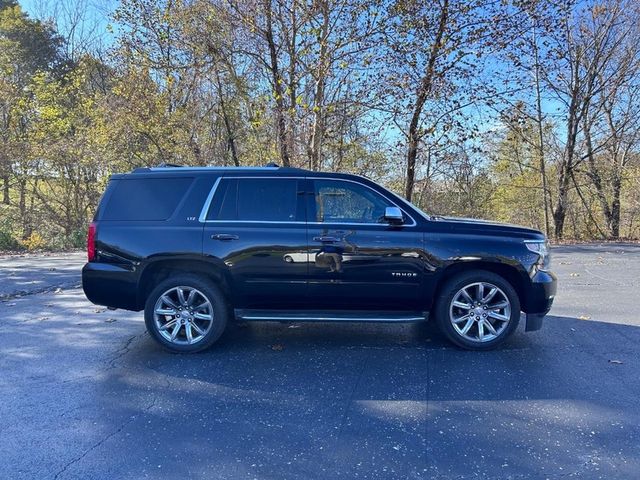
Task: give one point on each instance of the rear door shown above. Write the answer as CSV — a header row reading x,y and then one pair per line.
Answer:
x,y
256,226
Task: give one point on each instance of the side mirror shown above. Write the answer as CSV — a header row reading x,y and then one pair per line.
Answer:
x,y
393,215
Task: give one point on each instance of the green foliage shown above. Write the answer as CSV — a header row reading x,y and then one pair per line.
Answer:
x,y
26,45
7,239
8,242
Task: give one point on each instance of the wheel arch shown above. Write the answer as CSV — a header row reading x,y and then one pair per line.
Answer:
x,y
163,268
516,278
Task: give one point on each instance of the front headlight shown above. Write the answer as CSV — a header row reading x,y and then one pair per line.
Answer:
x,y
541,247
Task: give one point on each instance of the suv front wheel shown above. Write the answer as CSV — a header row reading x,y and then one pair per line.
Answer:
x,y
477,310
186,313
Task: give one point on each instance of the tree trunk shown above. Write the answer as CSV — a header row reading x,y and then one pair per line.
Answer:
x,y
22,205
231,141
560,212
318,110
539,120
281,124
423,91
292,86
594,175
5,190
566,166
614,226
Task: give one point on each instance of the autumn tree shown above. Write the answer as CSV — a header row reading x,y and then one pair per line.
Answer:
x,y
576,69
611,130
27,46
435,50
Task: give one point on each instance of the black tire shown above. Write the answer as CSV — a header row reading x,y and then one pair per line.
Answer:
x,y
443,308
217,306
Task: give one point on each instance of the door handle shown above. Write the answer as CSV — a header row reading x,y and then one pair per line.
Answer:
x,y
224,236
325,239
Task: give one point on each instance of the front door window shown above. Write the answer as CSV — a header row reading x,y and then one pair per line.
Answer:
x,y
348,202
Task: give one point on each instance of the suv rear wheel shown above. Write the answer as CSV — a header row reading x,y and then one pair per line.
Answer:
x,y
477,310
186,313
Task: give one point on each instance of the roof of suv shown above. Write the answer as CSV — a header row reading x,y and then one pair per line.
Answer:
x,y
269,170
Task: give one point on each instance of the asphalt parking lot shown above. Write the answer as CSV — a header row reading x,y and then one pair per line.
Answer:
x,y
85,393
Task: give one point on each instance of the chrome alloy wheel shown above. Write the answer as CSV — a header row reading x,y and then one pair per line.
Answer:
x,y
480,312
183,315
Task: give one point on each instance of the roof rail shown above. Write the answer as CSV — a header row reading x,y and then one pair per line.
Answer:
x,y
169,165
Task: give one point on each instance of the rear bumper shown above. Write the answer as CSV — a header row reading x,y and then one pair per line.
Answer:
x,y
110,285
539,298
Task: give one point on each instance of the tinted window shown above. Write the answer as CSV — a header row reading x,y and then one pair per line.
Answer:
x,y
146,198
259,199
347,202
224,204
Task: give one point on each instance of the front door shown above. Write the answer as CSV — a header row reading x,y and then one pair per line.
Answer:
x,y
356,260
255,229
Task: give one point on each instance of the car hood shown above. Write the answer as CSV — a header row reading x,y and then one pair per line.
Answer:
x,y
474,225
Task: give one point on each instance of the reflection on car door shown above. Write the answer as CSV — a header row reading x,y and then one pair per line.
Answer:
x,y
256,226
356,261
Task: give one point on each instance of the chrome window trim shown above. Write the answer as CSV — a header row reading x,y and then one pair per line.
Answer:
x,y
207,205
205,208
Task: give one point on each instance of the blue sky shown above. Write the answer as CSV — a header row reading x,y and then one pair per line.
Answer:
x,y
95,15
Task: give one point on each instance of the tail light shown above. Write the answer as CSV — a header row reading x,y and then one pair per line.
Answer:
x,y
91,242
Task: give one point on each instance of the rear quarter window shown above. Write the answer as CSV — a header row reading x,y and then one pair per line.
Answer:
x,y
145,198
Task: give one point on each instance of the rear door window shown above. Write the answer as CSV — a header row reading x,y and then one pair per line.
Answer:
x,y
257,200
153,199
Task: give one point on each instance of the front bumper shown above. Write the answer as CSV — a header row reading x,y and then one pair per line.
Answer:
x,y
539,298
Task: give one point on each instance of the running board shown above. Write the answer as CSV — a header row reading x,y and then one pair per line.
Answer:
x,y
329,316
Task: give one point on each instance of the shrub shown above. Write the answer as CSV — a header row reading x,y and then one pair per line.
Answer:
x,y
78,238
34,242
8,242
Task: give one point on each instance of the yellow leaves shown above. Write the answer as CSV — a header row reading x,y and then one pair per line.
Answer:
x,y
35,241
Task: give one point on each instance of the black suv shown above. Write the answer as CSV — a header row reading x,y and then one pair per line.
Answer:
x,y
194,247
